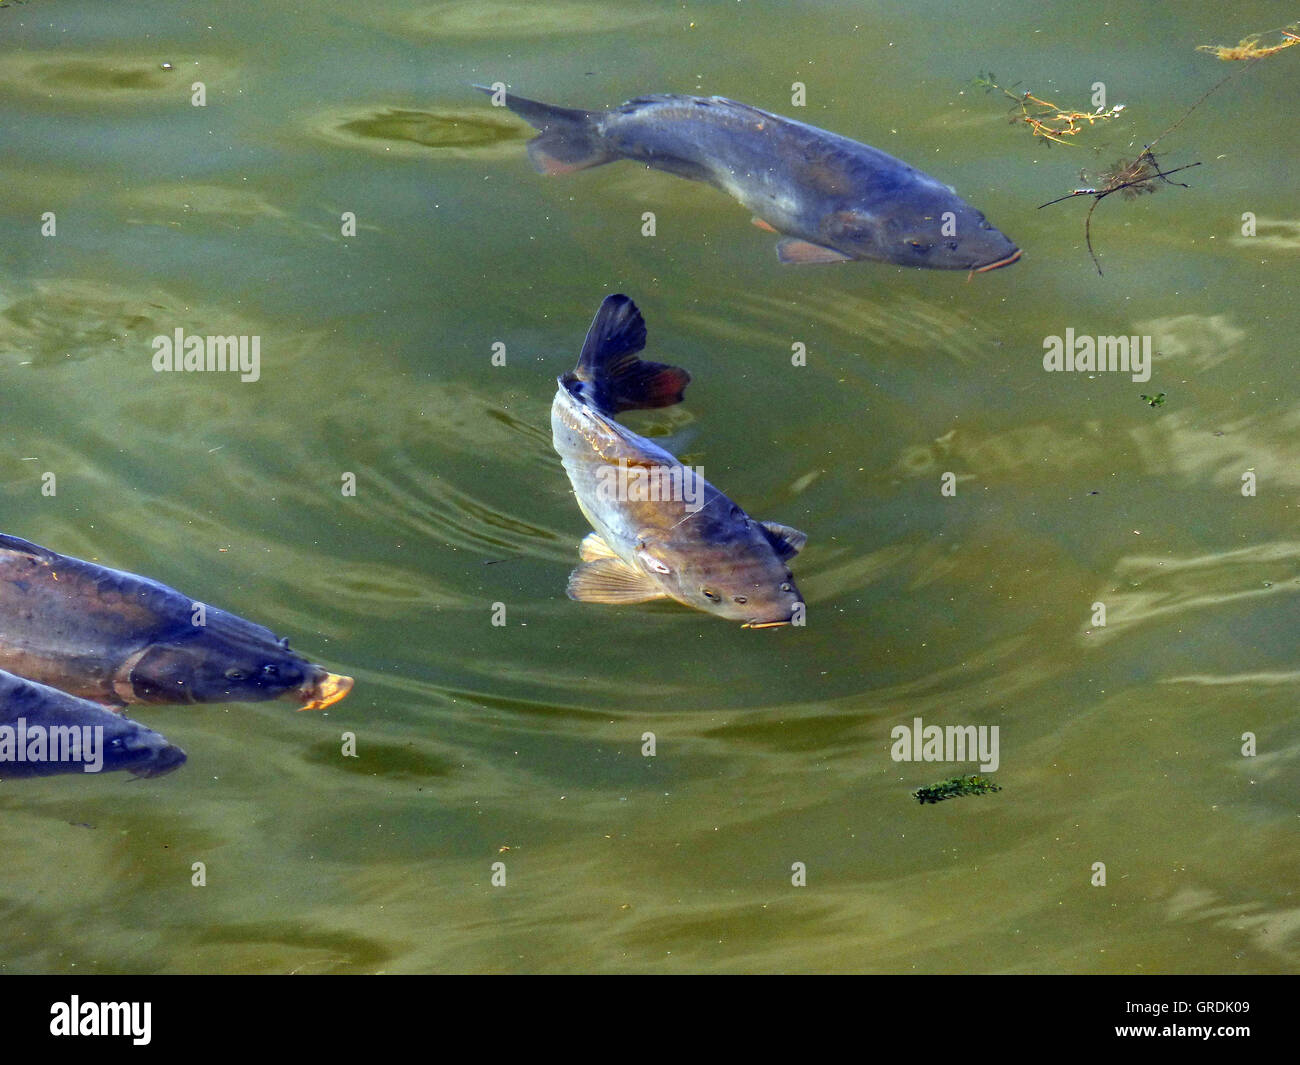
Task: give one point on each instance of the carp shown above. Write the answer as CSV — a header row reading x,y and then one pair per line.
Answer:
x,y
833,199
44,731
661,530
118,639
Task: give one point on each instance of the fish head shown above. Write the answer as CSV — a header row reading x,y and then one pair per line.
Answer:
x,y
224,662
140,750
742,578
928,228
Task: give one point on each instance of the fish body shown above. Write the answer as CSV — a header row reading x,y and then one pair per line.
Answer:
x,y
44,731
661,530
118,638
834,199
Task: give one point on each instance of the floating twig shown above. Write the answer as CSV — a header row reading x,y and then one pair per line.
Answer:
x,y
1132,178
1140,175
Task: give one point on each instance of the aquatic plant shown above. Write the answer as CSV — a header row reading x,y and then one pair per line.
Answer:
x,y
955,788
1044,118
1250,48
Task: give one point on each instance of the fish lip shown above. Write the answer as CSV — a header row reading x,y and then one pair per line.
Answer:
x,y
752,624
325,692
165,760
1007,261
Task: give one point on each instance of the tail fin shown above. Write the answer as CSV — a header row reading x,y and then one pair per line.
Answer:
x,y
569,140
618,380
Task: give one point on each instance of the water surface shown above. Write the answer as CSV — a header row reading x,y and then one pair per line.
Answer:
x,y
522,743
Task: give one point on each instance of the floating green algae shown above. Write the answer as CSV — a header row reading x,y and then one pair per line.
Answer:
x,y
955,788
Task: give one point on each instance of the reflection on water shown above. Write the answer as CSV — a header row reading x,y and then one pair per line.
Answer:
x,y
88,79
525,742
466,133
168,203
1195,341
1147,587
1271,234
492,19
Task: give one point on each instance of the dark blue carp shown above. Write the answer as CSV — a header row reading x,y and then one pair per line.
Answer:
x,y
44,731
832,198
118,639
662,531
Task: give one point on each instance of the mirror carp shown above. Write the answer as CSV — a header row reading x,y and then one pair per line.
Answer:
x,y
661,530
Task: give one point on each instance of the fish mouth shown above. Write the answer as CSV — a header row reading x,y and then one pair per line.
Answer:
x,y
325,692
164,760
764,624
994,265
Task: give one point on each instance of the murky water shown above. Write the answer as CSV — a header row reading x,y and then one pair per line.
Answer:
x,y
522,744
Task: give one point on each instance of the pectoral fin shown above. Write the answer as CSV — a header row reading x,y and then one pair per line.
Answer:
x,y
611,580
785,541
792,250
764,225
593,547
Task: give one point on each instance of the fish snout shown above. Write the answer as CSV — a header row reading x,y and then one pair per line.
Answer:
x,y
323,690
1006,260
785,608
163,760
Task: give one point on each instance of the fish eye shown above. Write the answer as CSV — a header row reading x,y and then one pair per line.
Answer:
x,y
270,671
742,599
235,674
711,595
116,743
786,586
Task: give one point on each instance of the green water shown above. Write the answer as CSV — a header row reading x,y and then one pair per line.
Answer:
x,y
522,743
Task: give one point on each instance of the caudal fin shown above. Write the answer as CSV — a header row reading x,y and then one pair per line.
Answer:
x,y
614,378
569,140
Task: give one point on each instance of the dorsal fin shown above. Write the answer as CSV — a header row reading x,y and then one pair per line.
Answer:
x,y
619,380
26,547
